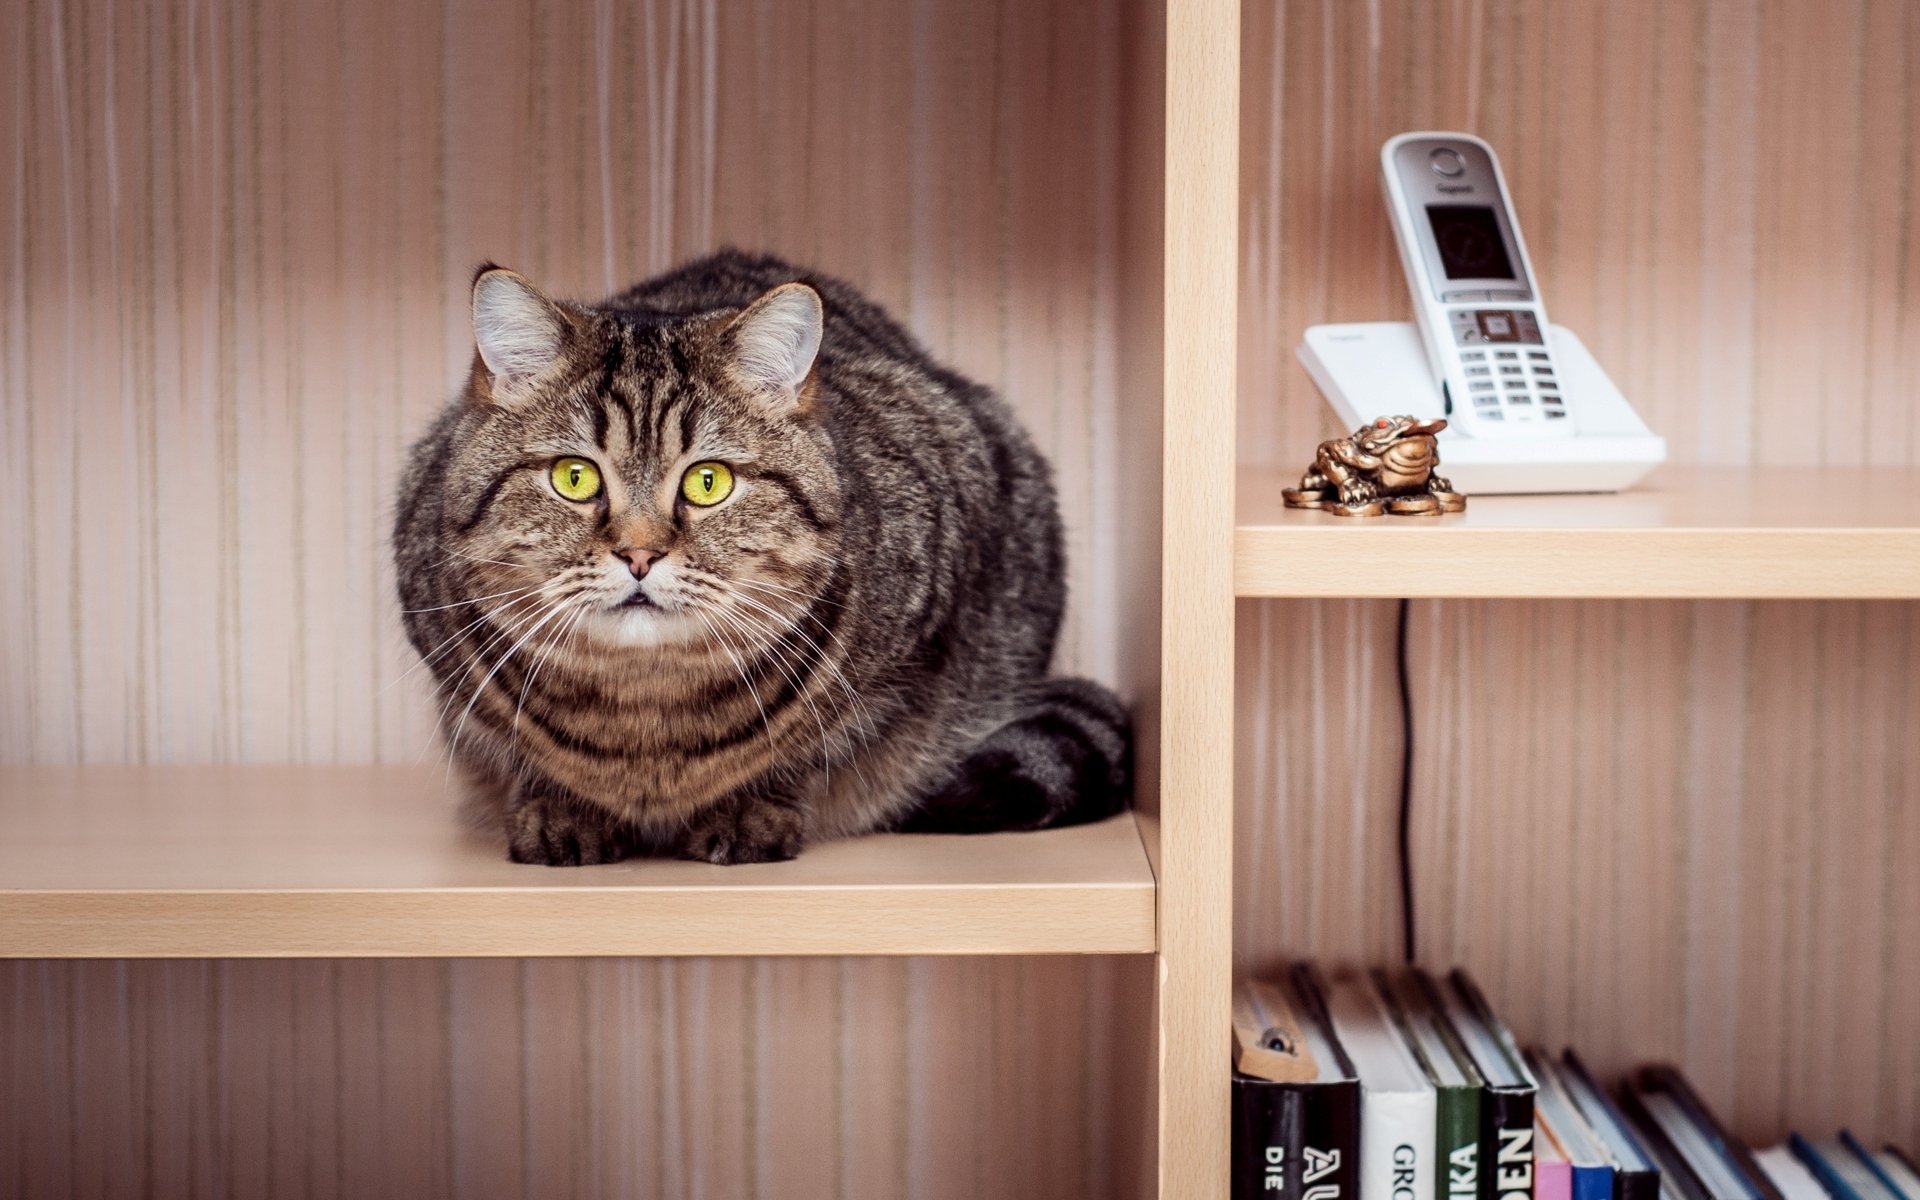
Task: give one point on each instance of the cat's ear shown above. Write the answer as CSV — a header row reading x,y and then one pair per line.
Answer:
x,y
771,346
518,331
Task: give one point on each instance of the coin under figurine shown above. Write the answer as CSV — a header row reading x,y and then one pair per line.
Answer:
x,y
1386,466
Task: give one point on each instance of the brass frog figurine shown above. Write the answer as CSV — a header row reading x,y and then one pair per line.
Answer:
x,y
1386,466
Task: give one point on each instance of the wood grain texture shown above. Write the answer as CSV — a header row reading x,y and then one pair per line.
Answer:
x,y
1653,829
1714,532
1196,639
310,862
237,240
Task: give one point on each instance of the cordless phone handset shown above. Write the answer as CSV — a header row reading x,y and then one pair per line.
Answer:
x,y
1474,295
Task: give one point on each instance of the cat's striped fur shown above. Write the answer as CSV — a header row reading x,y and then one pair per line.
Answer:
x,y
857,639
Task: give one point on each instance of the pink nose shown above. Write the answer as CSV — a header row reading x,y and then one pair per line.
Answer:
x,y
639,561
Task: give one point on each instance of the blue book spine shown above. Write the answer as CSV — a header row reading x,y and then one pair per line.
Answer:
x,y
1592,1182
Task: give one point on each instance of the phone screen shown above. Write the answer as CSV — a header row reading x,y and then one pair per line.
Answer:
x,y
1468,236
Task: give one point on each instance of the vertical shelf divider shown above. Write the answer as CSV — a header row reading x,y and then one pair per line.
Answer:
x,y
1200,330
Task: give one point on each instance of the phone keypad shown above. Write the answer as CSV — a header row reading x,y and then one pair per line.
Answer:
x,y
1518,384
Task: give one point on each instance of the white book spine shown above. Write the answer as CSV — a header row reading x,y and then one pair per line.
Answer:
x,y
1397,1134
1793,1180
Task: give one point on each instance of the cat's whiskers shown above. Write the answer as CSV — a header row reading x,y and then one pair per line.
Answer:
x,y
511,623
531,592
799,686
727,646
561,632
825,658
809,597
455,637
853,717
764,640
553,609
473,599
509,628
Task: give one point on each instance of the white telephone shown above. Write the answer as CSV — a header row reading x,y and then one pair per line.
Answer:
x,y
1528,408
1474,297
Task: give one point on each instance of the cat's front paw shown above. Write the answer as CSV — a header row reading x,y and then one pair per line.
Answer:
x,y
745,831
553,833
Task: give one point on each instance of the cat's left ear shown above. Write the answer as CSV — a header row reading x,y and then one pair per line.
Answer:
x,y
772,345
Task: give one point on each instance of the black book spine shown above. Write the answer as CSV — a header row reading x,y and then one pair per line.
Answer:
x,y
1268,1133
1732,1151
1635,1185
1506,1144
1330,1143
1673,1164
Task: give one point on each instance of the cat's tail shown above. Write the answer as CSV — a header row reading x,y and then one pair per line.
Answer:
x,y
1065,760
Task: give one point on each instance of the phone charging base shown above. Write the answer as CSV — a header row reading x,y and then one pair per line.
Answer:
x,y
1378,368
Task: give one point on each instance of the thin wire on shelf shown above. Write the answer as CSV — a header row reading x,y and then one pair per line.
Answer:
x,y
1406,786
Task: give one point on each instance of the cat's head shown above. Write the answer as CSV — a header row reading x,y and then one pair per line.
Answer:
x,y
641,480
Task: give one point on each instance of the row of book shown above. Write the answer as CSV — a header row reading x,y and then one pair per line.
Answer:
x,y
1402,1086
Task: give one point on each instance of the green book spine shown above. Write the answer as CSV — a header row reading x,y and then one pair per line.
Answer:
x,y
1457,1145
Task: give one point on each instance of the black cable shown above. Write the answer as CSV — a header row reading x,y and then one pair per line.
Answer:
x,y
1406,784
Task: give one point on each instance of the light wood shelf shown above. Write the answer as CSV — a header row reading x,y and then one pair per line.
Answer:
x,y
347,862
1762,533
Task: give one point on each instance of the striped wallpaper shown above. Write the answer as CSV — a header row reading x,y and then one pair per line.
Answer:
x,y
237,240
1687,831
241,238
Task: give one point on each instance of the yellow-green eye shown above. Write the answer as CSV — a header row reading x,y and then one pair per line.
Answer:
x,y
707,483
576,479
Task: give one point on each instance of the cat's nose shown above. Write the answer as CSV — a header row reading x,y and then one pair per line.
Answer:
x,y
639,560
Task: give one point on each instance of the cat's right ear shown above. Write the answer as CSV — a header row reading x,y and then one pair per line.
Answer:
x,y
517,329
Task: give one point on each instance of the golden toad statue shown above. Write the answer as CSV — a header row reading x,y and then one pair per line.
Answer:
x,y
1386,466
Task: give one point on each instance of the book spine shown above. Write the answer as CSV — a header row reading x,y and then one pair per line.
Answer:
x,y
1330,1149
1823,1171
1267,1139
1636,1185
1456,1160
1396,1144
1553,1180
1506,1144
1592,1183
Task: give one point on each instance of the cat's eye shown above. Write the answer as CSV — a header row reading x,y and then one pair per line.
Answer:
x,y
707,483
576,479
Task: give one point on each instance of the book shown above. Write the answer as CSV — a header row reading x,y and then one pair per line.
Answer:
x,y
1552,1173
1839,1170
1900,1169
1636,1176
1296,1137
1398,1107
1678,1180
1789,1175
1589,1164
1330,1149
1674,1118
1506,1098
1825,1173
1456,1083
1872,1162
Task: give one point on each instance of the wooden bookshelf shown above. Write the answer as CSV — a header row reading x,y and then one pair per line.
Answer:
x,y
351,862
1762,533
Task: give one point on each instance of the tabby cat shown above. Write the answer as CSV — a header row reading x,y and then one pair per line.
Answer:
x,y
727,564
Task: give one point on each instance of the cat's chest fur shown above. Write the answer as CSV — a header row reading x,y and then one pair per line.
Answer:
x,y
662,732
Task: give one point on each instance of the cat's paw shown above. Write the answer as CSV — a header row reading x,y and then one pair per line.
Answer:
x,y
749,831
551,833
